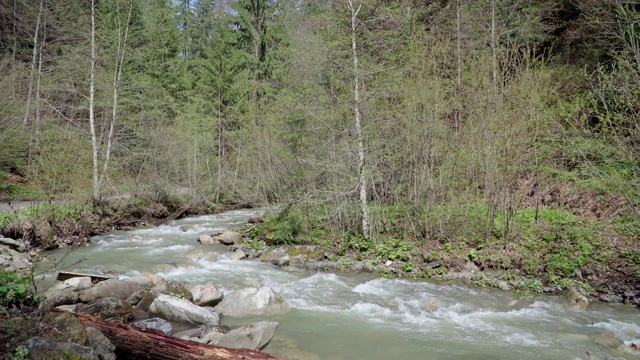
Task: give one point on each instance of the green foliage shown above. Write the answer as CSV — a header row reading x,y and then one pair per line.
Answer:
x,y
19,353
283,228
13,288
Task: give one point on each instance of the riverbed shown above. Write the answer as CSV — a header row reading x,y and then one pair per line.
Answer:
x,y
363,316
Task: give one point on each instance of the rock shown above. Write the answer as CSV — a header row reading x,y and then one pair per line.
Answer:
x,y
576,298
206,295
175,309
235,255
55,298
283,261
610,298
74,284
121,289
367,266
175,288
255,219
228,237
135,298
14,244
207,240
431,305
157,324
67,308
69,325
274,256
109,308
43,349
503,286
252,301
100,344
254,336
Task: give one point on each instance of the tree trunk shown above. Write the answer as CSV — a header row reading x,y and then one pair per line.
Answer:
x,y
137,344
458,45
92,92
362,180
493,43
116,84
33,65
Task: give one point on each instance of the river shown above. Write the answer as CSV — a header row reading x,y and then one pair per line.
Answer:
x,y
363,316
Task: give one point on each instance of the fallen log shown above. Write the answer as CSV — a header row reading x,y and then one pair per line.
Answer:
x,y
151,345
178,213
66,275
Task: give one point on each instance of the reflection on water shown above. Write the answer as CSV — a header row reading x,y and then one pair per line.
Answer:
x,y
360,316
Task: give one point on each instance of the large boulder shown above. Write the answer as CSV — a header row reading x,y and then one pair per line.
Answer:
x,y
576,298
175,288
109,308
252,301
43,349
53,298
235,255
100,344
172,308
75,331
253,336
228,237
120,289
206,295
74,284
207,240
157,324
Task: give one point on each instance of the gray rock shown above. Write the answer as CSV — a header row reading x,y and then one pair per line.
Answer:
x,y
175,288
67,308
70,326
503,286
55,298
135,298
11,243
576,298
235,255
207,240
367,266
175,309
157,324
100,344
206,295
252,301
273,256
74,284
255,219
610,298
109,308
43,349
121,289
228,237
254,336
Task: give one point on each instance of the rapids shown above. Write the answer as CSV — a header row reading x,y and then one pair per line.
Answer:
x,y
363,316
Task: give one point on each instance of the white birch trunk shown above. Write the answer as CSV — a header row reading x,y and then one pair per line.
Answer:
x,y
493,43
362,180
33,65
92,91
121,49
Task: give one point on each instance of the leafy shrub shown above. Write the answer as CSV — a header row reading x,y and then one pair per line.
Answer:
x,y
13,289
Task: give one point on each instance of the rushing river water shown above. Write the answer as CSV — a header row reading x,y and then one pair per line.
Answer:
x,y
362,316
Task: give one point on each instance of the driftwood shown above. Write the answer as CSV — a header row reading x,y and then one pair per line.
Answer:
x,y
178,213
137,344
66,275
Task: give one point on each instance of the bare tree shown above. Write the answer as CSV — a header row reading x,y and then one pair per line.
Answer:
x,y
33,64
362,180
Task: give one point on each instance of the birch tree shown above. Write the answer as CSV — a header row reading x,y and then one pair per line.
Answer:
x,y
354,8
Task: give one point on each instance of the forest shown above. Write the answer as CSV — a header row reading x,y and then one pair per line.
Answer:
x,y
504,132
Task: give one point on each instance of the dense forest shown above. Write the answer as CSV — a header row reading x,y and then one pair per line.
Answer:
x,y
501,131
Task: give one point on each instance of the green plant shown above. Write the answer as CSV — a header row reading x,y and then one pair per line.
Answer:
x,y
13,288
408,266
18,353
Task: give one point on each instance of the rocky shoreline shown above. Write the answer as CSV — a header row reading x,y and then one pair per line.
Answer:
x,y
149,303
